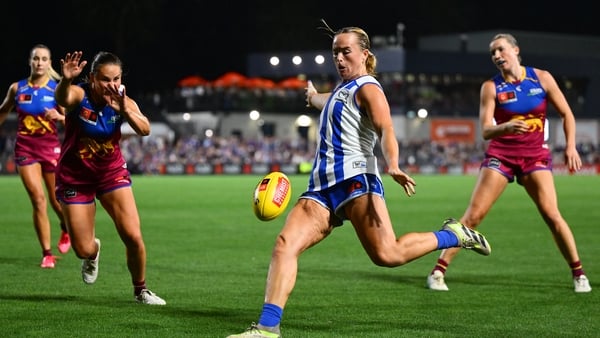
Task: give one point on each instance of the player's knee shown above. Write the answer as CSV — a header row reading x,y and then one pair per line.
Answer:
x,y
83,251
384,259
282,246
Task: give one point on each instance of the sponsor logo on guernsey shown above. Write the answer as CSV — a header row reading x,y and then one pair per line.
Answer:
x,y
113,119
507,97
47,98
359,164
535,91
88,115
24,98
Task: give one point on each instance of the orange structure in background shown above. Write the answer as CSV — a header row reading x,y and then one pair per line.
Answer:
x,y
452,130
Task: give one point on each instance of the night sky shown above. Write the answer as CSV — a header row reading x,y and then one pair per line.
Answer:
x,y
162,41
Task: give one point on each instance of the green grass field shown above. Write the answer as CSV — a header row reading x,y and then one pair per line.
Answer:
x,y
208,257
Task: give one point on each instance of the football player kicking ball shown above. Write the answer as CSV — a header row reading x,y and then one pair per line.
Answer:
x,y
345,183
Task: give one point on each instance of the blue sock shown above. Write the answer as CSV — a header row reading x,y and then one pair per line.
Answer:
x,y
270,315
446,239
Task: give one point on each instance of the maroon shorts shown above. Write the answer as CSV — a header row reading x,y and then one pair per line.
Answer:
x,y
517,166
86,193
47,158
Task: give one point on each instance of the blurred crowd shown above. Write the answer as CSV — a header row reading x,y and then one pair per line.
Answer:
x,y
453,96
147,155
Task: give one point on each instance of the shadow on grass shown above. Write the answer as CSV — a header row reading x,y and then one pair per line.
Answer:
x,y
460,280
38,298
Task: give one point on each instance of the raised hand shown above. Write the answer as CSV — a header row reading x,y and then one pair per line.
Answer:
x,y
72,65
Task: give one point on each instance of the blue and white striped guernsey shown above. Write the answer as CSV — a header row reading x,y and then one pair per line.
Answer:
x,y
346,138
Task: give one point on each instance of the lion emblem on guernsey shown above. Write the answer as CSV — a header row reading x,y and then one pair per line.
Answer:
x,y
89,148
535,123
35,126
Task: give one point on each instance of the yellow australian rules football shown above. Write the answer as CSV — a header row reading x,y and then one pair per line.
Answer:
x,y
271,196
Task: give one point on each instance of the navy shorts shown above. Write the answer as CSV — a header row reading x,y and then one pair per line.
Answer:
x,y
336,197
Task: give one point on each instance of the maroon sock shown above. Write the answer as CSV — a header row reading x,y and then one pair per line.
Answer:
x,y
63,227
46,252
576,269
138,287
440,266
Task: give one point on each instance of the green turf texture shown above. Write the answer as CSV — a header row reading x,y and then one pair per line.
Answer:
x,y
208,258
